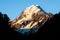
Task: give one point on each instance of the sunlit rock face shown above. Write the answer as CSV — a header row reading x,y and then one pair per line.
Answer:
x,y
30,20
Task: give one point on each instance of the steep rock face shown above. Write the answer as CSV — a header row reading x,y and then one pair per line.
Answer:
x,y
30,20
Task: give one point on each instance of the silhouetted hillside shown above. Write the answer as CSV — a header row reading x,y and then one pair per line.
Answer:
x,y
49,30
5,31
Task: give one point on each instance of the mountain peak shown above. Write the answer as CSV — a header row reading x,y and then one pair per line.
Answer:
x,y
34,5
38,7
30,20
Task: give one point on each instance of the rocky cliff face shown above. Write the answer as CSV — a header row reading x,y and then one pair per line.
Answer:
x,y
30,20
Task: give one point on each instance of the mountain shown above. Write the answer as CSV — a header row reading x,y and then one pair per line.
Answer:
x,y
30,20
49,29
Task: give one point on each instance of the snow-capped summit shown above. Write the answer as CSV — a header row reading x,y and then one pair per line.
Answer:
x,y
30,20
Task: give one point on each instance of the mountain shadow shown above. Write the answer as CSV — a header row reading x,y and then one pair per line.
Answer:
x,y
49,30
5,31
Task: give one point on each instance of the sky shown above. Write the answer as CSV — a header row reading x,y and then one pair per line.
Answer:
x,y
14,7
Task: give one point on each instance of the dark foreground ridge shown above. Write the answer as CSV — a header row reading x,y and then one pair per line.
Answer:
x,y
49,30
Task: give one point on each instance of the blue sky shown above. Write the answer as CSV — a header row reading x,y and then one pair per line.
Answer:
x,y
14,7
